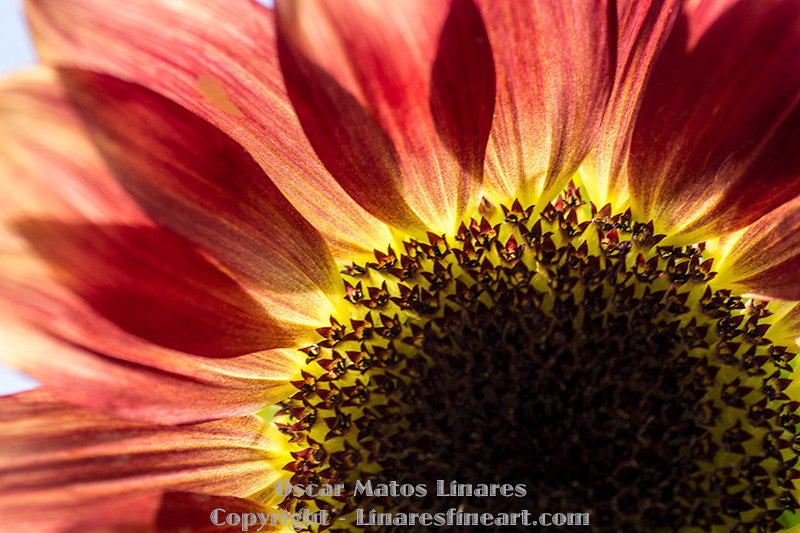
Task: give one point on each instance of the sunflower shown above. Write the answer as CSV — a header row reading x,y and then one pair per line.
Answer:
x,y
391,263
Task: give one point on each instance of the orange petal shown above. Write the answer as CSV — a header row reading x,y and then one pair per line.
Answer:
x,y
554,73
220,63
59,194
643,28
61,466
717,142
396,98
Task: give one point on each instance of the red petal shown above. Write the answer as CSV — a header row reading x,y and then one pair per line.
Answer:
x,y
61,466
188,511
92,363
50,166
148,280
217,58
137,514
50,169
396,98
175,511
643,28
192,178
717,142
154,285
554,73
764,260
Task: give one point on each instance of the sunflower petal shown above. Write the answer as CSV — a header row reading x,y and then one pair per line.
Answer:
x,y
191,511
192,178
171,512
717,142
136,514
222,65
107,303
554,73
643,28
154,284
59,464
764,259
90,362
399,116
50,164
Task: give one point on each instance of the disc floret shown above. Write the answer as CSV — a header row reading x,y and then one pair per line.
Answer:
x,y
569,352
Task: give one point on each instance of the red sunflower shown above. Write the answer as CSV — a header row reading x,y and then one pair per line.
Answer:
x,y
451,244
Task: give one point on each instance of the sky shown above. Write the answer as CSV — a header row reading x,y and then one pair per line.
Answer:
x,y
16,51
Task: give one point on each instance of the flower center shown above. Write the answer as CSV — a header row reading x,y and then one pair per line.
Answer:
x,y
568,355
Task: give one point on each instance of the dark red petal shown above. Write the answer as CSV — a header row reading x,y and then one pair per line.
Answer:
x,y
396,98
60,465
217,58
717,142
643,28
192,178
185,512
777,282
57,193
119,271
137,380
764,259
155,285
554,63
190,511
137,514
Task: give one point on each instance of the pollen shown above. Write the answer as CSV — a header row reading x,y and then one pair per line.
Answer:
x,y
563,349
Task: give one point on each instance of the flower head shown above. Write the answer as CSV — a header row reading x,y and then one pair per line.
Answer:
x,y
545,244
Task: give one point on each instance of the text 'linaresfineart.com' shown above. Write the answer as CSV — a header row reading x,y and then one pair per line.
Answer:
x,y
367,518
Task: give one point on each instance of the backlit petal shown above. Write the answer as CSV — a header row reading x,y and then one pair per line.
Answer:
x,y
139,295
396,98
191,511
171,512
764,259
643,28
554,63
91,362
59,197
190,177
717,142
59,464
217,58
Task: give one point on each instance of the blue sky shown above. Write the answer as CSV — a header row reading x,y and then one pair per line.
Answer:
x,y
16,52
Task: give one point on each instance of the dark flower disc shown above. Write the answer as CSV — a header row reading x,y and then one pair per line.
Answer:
x,y
569,354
